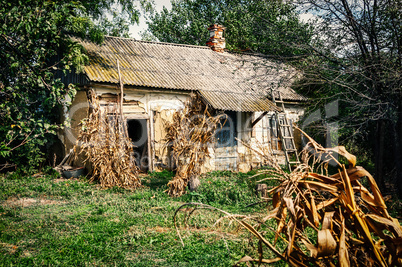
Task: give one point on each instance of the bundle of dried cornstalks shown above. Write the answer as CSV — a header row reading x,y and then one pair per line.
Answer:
x,y
327,220
349,222
104,141
189,134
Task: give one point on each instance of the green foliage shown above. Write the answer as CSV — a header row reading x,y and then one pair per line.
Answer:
x,y
30,38
269,27
114,17
159,179
35,44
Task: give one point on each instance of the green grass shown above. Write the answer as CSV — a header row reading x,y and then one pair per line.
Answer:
x,y
73,222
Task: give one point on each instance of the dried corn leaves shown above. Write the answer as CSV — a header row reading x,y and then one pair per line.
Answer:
x,y
332,220
189,134
322,219
103,140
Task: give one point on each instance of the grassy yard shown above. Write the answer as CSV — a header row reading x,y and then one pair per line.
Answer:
x,y
50,221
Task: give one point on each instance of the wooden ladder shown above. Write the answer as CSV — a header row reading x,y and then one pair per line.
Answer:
x,y
285,130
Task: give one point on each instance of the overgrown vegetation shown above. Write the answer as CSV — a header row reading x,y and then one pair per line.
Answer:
x,y
35,49
321,219
48,221
356,59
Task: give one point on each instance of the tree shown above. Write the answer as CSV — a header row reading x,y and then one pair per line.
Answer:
x,y
114,17
357,58
270,27
34,43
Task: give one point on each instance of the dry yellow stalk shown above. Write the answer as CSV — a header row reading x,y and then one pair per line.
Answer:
x,y
106,146
189,134
348,214
350,222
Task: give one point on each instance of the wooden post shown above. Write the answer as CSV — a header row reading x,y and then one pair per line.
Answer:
x,y
151,141
150,161
121,101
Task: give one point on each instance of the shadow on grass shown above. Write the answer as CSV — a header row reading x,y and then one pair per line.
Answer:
x,y
157,180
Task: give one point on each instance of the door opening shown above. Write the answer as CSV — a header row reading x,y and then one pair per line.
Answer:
x,y
137,131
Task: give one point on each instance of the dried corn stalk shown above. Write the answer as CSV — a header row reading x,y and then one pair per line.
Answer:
x,y
189,134
326,220
351,223
105,144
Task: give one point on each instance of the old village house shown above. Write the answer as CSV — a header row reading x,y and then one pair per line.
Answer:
x,y
159,77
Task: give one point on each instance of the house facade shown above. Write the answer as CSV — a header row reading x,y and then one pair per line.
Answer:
x,y
159,78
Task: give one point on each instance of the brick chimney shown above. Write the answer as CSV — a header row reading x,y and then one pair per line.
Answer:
x,y
216,40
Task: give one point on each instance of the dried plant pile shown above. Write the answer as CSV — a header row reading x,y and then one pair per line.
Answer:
x,y
189,134
326,220
104,141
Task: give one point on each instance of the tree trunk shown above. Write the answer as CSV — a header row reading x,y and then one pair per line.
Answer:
x,y
379,154
398,152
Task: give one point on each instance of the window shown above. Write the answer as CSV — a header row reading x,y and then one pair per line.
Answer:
x,y
225,136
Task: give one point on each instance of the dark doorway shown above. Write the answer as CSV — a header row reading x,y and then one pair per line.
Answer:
x,y
137,131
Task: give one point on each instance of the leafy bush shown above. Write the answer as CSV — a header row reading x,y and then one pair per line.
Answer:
x,y
35,45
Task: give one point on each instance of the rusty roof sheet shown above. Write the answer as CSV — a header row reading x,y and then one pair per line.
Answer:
x,y
222,78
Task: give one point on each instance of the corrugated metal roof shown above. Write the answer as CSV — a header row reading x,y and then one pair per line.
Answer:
x,y
263,75
247,102
222,78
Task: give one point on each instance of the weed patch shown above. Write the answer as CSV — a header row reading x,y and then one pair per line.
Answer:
x,y
52,221
47,221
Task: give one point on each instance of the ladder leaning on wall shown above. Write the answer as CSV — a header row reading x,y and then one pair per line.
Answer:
x,y
285,130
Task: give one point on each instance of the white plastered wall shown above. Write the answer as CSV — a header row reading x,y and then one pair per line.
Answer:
x,y
158,107
261,138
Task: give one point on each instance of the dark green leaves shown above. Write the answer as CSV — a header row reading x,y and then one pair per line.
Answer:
x,y
34,43
269,27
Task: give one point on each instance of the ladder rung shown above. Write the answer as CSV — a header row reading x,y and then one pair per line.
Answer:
x,y
284,125
294,162
288,137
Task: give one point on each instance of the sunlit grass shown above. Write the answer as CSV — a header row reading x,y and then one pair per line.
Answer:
x,y
47,221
